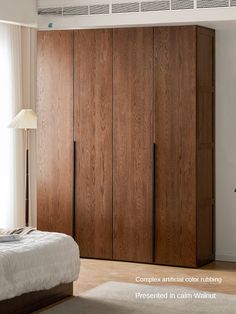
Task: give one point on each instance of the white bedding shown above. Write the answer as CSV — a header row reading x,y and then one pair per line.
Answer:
x,y
41,260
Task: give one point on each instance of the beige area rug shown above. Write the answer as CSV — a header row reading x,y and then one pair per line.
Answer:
x,y
122,298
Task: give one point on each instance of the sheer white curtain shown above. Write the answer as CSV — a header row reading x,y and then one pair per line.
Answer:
x,y
29,70
17,91
6,137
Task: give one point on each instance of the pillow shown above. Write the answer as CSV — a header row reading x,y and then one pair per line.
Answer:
x,y
21,231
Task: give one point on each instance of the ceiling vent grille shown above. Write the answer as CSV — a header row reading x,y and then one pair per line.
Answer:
x,y
79,10
155,5
99,9
50,11
212,3
125,7
135,7
182,4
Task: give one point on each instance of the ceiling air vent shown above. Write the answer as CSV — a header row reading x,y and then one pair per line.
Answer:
x,y
155,5
50,11
182,4
212,3
125,7
99,9
79,10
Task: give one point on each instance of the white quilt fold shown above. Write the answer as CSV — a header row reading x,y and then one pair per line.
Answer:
x,y
41,260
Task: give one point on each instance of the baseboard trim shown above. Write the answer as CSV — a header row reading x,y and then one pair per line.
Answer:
x,y
226,258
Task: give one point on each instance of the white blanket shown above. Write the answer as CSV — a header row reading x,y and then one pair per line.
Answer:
x,y
41,260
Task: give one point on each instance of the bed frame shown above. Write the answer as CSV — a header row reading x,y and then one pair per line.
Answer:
x,y
33,301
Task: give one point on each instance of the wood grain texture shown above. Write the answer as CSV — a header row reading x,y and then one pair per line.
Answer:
x,y
93,135
133,139
175,99
55,131
96,272
205,145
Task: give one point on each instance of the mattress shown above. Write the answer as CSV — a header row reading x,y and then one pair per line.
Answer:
x,y
41,260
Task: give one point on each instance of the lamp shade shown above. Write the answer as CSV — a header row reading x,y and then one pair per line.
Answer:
x,y
25,119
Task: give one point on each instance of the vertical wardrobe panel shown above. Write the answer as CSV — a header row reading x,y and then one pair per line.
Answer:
x,y
55,131
133,144
205,144
175,128
93,136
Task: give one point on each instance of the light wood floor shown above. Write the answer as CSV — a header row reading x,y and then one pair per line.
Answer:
x,y
95,272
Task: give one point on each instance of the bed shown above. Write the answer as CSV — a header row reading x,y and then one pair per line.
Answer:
x,y
37,271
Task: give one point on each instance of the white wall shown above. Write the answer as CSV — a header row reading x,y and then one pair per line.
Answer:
x,y
226,143
19,11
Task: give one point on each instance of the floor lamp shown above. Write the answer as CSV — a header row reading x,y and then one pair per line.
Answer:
x,y
26,119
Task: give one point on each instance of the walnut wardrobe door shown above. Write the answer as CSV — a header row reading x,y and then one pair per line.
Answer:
x,y
133,144
93,136
55,131
175,126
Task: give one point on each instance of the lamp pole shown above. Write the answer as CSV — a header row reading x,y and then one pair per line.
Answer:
x,y
26,119
27,179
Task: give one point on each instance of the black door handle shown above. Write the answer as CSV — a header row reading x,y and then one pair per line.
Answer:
x,y
74,191
154,199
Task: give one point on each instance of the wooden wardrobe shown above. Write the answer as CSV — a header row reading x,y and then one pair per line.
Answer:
x,y
132,144
93,140
55,131
184,137
126,142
